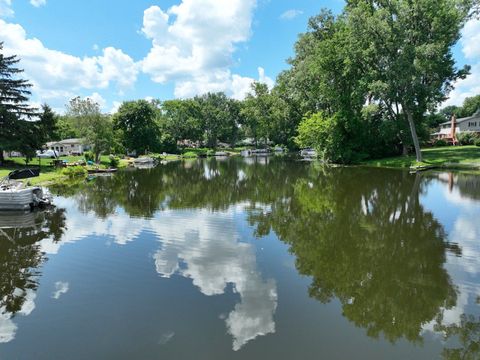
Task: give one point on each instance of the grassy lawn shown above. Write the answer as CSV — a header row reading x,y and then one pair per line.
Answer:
x,y
467,155
48,173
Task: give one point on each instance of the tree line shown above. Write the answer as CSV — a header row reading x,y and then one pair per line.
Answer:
x,y
365,83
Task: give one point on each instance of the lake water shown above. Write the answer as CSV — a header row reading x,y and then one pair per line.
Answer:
x,y
266,258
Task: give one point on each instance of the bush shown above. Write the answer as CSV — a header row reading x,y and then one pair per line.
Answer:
x,y
114,161
477,142
190,155
89,156
440,142
74,171
334,138
467,138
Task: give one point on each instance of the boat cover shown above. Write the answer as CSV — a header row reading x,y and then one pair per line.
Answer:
x,y
24,173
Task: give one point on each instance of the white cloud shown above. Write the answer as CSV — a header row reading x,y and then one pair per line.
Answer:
x,y
470,42
223,80
291,14
193,44
471,39
38,3
60,289
96,97
59,76
8,328
213,260
465,88
6,8
115,106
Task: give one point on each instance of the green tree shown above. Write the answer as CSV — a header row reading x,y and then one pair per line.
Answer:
x,y
257,111
136,121
66,128
407,47
181,119
95,128
219,118
470,106
14,108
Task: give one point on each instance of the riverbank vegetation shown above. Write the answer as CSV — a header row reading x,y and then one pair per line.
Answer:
x,y
363,84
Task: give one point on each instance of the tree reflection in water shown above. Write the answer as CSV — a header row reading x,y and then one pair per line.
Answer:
x,y
361,234
365,239
466,335
20,261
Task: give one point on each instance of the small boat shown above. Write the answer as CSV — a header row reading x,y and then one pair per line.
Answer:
x,y
101,171
14,195
144,162
261,152
308,153
221,154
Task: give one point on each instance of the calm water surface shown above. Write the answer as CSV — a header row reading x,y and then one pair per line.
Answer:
x,y
246,259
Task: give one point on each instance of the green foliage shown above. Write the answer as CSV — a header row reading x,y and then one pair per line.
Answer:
x,y
440,143
325,135
74,171
467,138
89,156
168,143
470,106
94,127
190,155
66,128
136,121
476,142
114,161
219,118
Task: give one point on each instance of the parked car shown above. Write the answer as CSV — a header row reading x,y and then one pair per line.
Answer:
x,y
47,154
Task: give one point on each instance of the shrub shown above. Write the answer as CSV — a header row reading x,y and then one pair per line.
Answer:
x,y
74,171
440,142
190,155
210,152
335,139
467,138
89,156
114,161
477,142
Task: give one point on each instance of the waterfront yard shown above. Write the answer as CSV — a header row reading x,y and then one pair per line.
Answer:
x,y
439,156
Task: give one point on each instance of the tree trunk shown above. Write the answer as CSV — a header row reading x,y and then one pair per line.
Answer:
x,y
413,131
1,157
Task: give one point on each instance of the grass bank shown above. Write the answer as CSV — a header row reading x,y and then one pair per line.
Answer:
x,y
447,156
48,173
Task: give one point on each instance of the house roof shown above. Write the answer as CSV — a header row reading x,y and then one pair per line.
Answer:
x,y
65,142
475,116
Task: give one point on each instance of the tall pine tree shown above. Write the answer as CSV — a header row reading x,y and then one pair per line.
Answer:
x,y
14,108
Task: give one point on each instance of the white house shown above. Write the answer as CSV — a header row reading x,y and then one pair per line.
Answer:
x,y
455,127
67,147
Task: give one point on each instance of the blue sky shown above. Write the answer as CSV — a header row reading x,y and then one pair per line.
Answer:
x,y
116,50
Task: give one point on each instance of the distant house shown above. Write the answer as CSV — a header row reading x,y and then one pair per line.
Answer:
x,y
450,129
67,147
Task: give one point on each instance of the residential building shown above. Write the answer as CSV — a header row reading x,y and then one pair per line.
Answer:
x,y
450,129
67,147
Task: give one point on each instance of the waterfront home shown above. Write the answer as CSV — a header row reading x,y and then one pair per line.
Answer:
x,y
67,147
450,129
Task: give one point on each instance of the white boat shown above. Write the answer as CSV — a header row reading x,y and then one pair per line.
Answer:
x,y
308,153
15,195
144,160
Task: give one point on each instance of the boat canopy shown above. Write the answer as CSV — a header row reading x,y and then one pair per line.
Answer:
x,y
23,174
